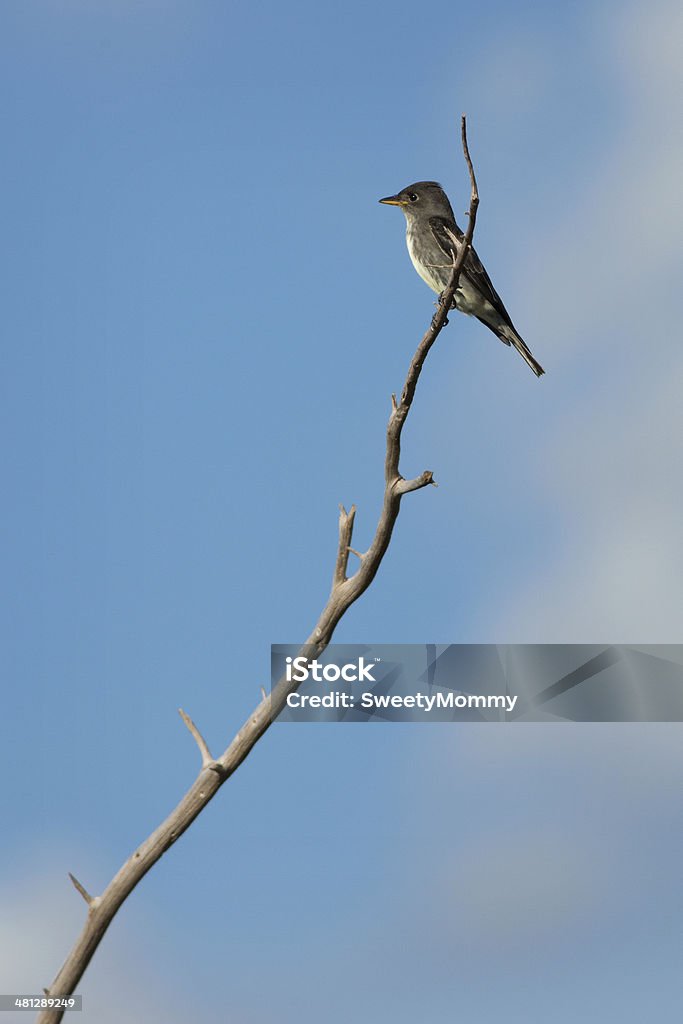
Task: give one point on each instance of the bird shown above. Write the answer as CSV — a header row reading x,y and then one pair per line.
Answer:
x,y
434,240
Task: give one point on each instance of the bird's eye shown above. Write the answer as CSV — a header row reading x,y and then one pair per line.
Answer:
x,y
412,196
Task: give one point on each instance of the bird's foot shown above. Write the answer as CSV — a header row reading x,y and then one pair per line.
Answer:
x,y
435,317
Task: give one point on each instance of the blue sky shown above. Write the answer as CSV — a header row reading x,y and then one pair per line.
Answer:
x,y
205,312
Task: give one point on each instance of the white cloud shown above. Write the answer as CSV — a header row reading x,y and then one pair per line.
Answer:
x,y
626,763
618,238
647,46
41,918
619,576
556,851
614,489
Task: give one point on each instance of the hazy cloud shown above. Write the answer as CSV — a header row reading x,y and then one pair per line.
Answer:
x,y
612,267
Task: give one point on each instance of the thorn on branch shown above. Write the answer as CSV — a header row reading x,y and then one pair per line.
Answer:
x,y
82,890
207,759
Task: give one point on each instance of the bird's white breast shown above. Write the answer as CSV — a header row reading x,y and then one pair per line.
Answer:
x,y
432,277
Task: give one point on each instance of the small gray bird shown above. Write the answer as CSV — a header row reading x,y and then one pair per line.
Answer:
x,y
434,239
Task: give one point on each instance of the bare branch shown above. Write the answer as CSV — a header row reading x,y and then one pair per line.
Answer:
x,y
345,590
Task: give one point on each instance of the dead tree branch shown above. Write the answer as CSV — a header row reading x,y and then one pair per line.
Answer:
x,y
345,590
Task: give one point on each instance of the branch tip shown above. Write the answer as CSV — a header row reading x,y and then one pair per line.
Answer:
x,y
474,201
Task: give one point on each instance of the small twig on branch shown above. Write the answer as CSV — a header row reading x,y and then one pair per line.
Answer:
x,y
345,590
207,759
79,888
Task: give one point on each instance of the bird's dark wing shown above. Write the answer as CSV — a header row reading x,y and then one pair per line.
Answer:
x,y
450,238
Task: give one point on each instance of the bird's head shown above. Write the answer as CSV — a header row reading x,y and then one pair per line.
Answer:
x,y
422,199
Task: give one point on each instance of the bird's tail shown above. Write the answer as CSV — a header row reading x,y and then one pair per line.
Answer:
x,y
509,335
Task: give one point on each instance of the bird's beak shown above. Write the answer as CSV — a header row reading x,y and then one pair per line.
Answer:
x,y
393,201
